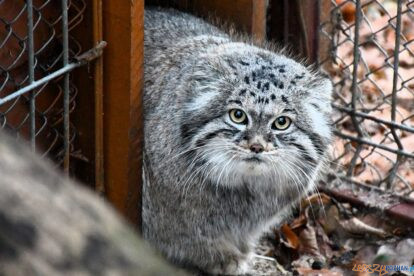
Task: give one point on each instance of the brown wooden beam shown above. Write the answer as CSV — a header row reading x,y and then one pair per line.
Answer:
x,y
259,14
123,80
99,111
325,50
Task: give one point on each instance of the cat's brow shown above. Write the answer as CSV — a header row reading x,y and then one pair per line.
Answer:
x,y
236,102
288,110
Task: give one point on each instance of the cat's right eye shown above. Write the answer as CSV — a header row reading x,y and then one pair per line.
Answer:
x,y
238,116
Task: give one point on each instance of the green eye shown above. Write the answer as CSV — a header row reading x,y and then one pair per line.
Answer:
x,y
238,116
281,123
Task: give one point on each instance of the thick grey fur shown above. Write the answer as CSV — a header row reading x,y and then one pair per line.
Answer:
x,y
51,226
207,198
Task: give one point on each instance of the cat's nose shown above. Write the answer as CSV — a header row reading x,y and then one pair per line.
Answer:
x,y
257,148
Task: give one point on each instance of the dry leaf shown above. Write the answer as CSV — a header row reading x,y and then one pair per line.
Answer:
x,y
292,240
356,226
308,241
316,199
348,10
330,222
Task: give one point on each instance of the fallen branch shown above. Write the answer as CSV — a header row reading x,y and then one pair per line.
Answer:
x,y
373,199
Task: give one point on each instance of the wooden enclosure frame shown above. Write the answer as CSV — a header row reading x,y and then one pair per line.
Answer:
x,y
123,29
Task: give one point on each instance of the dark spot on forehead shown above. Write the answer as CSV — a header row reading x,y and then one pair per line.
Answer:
x,y
278,84
285,100
253,94
266,86
254,76
261,100
246,80
293,82
259,84
244,63
273,97
242,92
282,70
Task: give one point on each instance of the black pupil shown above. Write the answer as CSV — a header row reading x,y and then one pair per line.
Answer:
x,y
281,121
238,114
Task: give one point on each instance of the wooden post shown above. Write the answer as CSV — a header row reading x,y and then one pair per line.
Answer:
x,y
123,80
99,130
325,50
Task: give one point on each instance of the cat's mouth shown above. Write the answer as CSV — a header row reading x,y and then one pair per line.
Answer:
x,y
253,159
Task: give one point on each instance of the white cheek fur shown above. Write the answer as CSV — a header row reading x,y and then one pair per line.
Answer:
x,y
318,121
201,100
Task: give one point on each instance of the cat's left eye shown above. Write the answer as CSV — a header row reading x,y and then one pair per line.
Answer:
x,y
281,123
238,116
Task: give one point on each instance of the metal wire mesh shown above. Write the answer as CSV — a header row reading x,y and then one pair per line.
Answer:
x,y
36,94
371,60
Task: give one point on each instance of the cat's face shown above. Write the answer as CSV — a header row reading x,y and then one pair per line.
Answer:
x,y
256,116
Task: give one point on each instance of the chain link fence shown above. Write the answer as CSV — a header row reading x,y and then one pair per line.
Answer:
x,y
36,92
370,59
371,62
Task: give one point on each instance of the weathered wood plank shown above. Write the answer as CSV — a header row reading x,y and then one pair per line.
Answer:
x,y
123,79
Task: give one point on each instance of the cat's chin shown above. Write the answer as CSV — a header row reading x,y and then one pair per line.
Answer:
x,y
253,167
250,169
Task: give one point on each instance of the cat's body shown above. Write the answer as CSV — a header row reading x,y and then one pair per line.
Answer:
x,y
213,182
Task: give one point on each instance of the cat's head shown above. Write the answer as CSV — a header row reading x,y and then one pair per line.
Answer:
x,y
253,115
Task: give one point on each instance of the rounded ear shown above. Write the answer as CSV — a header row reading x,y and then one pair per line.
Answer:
x,y
321,93
323,87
